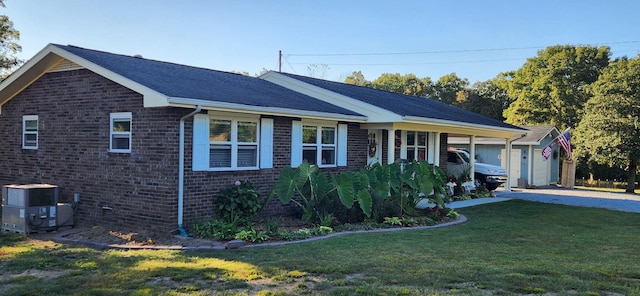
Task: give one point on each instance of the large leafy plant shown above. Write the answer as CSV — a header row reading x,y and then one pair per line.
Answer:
x,y
404,183
311,187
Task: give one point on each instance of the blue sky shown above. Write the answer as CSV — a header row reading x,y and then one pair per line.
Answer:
x,y
474,39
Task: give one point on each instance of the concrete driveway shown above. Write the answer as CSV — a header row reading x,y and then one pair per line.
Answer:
x,y
576,197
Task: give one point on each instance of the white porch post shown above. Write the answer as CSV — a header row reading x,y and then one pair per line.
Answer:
x,y
507,186
472,156
391,146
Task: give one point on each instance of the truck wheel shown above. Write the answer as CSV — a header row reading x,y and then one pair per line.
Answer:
x,y
479,180
491,187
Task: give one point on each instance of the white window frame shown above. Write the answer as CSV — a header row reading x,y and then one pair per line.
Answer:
x,y
235,144
26,118
116,134
415,147
340,142
319,146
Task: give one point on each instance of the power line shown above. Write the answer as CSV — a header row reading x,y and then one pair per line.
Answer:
x,y
409,64
442,51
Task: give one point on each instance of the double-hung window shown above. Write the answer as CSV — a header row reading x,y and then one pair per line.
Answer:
x,y
417,145
319,143
228,142
30,132
120,132
233,143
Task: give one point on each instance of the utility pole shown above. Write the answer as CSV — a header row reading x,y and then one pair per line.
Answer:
x,y
279,60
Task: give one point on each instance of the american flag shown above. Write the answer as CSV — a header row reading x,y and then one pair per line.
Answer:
x,y
546,152
565,141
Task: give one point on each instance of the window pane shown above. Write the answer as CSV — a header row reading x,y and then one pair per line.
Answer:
x,y
247,132
309,154
328,155
422,139
31,125
220,156
248,156
328,135
422,153
309,134
411,139
121,125
411,154
120,142
30,140
220,130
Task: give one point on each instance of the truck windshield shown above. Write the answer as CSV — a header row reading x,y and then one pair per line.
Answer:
x,y
465,156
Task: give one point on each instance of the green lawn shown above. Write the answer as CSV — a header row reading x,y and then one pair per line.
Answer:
x,y
507,248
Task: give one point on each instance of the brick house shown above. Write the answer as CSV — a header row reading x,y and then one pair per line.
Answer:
x,y
150,143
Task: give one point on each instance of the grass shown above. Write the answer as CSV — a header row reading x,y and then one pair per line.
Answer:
x,y
508,248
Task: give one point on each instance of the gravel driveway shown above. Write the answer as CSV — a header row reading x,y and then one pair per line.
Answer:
x,y
576,197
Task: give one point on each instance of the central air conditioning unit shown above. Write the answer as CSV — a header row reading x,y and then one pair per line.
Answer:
x,y
29,208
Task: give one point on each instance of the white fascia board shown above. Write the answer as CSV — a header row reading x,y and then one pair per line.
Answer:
x,y
26,74
491,141
230,107
465,128
373,113
151,98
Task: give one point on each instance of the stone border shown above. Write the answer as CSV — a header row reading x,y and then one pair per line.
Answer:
x,y
236,244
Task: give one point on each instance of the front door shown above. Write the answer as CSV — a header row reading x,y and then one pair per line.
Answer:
x,y
374,147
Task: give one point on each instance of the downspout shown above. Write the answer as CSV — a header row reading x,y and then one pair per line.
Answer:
x,y
181,171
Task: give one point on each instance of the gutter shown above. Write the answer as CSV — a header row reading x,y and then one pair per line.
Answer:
x,y
181,171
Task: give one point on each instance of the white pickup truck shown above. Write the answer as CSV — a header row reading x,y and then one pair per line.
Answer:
x,y
491,176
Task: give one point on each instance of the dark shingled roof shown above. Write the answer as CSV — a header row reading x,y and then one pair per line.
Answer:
x,y
404,105
180,81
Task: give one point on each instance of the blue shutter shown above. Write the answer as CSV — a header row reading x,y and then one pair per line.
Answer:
x,y
342,144
266,143
296,143
200,155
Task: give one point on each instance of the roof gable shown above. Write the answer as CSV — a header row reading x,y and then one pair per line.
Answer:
x,y
167,84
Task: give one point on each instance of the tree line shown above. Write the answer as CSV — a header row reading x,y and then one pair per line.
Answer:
x,y
566,86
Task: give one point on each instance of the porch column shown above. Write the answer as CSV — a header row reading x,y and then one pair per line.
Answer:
x,y
507,185
391,146
472,156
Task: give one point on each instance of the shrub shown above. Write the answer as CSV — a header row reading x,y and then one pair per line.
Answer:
x,y
252,235
239,202
216,229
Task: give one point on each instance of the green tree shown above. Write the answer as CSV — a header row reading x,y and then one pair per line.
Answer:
x,y
449,89
8,45
609,132
407,84
356,78
550,88
489,98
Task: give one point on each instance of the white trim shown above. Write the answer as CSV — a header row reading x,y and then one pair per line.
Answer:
x,y
26,118
373,113
260,110
235,145
128,134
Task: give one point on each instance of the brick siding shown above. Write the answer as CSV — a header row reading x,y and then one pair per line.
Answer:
x,y
137,189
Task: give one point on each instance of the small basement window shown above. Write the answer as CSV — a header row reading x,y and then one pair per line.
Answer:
x,y
120,132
